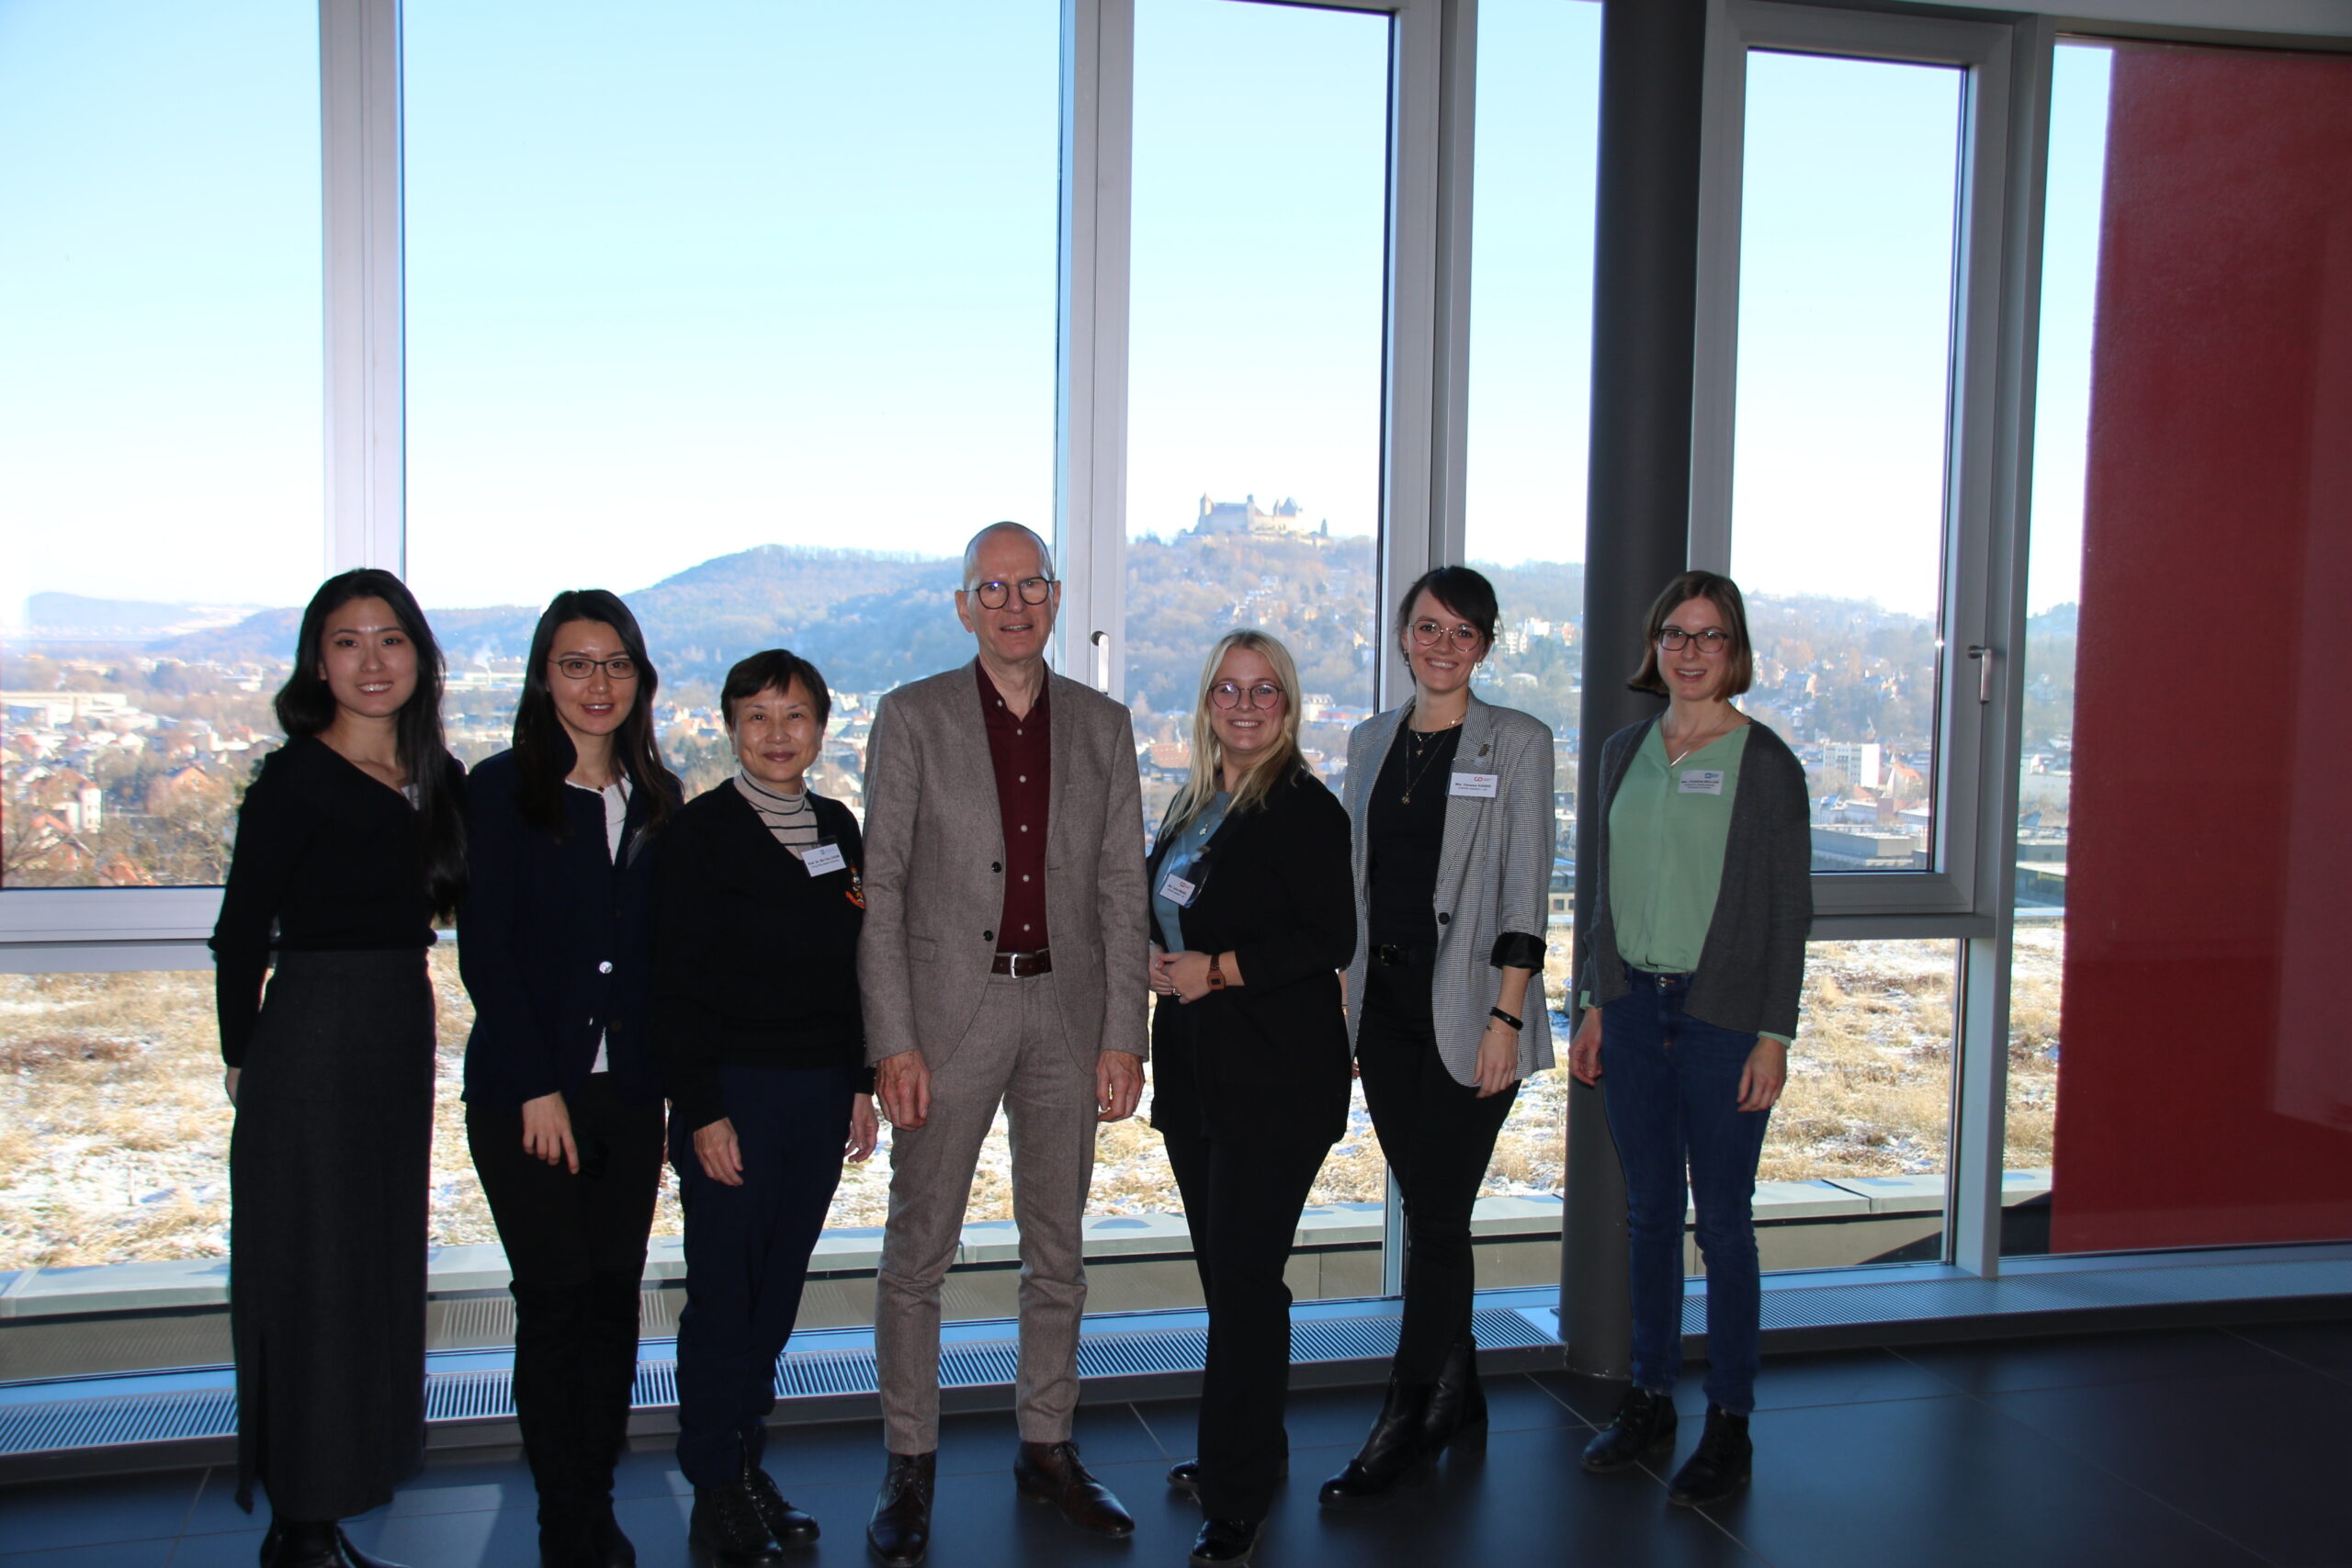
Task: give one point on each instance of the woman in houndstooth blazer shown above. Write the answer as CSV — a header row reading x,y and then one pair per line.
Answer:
x,y
1451,802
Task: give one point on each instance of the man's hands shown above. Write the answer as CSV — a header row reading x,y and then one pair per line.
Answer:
x,y
903,1084
546,1132
1118,1084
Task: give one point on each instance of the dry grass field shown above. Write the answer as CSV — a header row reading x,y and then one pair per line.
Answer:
x,y
113,1132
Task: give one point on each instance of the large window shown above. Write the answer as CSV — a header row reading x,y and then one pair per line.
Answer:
x,y
159,323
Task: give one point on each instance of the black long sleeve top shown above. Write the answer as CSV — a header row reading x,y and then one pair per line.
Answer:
x,y
1265,1061
1404,841
326,861
754,960
555,942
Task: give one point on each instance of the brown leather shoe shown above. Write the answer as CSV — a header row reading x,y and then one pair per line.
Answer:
x,y
1050,1473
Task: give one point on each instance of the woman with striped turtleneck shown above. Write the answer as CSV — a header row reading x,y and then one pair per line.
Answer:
x,y
757,906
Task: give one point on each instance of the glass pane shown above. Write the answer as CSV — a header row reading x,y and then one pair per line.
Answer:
x,y
1253,462
160,326
2195,300
1531,350
1856,1156
708,315
1846,236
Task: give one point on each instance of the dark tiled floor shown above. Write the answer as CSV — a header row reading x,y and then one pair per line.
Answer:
x,y
2175,1450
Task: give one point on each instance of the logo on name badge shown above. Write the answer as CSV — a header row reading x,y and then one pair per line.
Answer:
x,y
1478,787
1178,891
1703,781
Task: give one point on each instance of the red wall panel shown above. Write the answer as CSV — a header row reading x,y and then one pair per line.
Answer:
x,y
2205,1070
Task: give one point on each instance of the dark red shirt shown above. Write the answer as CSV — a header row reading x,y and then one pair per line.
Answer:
x,y
1021,752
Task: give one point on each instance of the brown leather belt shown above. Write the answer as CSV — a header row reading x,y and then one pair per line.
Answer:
x,y
1021,965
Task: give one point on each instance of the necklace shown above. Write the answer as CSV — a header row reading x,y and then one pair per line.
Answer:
x,y
1416,769
1694,748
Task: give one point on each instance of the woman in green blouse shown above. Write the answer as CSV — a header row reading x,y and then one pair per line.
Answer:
x,y
1690,986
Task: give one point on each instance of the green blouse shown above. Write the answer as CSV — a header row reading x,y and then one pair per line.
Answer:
x,y
1666,831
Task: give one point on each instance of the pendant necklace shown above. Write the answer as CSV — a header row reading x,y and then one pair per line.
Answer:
x,y
1416,769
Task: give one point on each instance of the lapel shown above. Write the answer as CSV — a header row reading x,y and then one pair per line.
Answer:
x,y
1379,733
966,744
1475,753
1062,740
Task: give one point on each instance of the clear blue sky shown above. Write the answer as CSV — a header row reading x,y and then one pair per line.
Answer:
x,y
769,272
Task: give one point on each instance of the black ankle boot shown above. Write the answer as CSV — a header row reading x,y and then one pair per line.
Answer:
x,y
1225,1542
1644,1421
898,1535
1719,1466
315,1543
611,1548
1395,1446
785,1522
726,1524
1457,1400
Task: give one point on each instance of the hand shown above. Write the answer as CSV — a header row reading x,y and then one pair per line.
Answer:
x,y
1118,1084
546,1132
1498,1058
1161,985
1584,1051
721,1155
1188,975
865,1129
903,1083
1766,1071
228,1082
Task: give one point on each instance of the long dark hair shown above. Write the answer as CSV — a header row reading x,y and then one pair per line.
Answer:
x,y
542,749
306,706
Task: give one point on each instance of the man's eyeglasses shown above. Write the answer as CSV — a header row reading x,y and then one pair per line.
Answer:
x,y
1714,639
579,666
1261,695
996,595
1427,633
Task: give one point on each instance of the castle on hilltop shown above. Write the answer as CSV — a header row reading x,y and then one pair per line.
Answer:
x,y
1286,521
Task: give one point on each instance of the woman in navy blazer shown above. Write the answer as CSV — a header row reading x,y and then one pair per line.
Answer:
x,y
563,1107
1253,915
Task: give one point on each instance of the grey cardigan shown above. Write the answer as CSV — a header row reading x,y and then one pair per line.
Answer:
x,y
1494,876
1751,968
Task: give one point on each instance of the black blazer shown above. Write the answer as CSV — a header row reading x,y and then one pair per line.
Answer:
x,y
555,943
1265,1061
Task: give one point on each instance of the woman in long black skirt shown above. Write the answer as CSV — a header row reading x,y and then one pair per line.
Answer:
x,y
563,1107
350,842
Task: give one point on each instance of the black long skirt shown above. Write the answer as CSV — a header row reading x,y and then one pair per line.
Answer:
x,y
327,1174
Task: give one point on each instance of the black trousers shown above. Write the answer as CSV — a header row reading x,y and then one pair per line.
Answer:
x,y
576,1245
1438,1138
747,1254
1242,1202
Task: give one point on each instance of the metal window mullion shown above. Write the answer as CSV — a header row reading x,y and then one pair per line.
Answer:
x,y
359,119
1411,524
1091,467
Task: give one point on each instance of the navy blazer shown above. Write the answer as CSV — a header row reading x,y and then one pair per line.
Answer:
x,y
555,942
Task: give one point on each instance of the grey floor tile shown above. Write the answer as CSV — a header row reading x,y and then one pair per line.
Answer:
x,y
2262,1461
239,1549
2074,1360
113,1554
43,1514
2324,1346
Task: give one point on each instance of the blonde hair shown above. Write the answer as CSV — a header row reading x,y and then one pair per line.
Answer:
x,y
1208,756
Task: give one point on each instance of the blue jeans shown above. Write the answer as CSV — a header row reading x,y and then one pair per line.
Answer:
x,y
1671,1083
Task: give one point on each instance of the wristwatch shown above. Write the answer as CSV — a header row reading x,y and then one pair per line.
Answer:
x,y
1217,976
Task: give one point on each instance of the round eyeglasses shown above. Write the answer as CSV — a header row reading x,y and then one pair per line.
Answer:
x,y
997,594
579,666
1714,639
1259,693
1427,633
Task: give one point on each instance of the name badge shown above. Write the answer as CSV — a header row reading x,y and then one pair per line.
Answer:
x,y
1478,787
824,859
1701,781
1178,891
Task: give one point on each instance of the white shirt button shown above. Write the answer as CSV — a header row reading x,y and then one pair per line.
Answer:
x,y
1024,876
606,968
1024,827
1024,778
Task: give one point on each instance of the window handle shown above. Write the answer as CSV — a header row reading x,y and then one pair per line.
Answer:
x,y
1102,643
1984,656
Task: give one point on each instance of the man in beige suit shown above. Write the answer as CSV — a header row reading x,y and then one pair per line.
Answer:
x,y
1003,961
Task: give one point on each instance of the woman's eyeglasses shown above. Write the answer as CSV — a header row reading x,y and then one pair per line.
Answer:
x,y
1427,633
1714,639
579,666
1261,695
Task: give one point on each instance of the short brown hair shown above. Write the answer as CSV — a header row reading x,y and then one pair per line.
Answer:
x,y
1739,666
